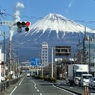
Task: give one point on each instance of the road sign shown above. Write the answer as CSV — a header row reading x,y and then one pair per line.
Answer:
x,y
34,61
8,23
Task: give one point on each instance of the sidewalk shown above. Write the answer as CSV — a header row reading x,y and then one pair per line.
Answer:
x,y
8,90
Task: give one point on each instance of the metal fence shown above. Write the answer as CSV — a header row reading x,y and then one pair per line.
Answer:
x,y
6,84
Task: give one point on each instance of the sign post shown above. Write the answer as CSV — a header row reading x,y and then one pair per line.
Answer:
x,y
35,63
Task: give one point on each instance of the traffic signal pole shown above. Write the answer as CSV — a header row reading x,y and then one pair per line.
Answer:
x,y
13,25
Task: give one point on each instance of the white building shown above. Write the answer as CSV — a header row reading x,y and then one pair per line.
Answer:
x,y
44,53
1,60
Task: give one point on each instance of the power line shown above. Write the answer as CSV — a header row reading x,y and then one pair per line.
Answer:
x,y
2,13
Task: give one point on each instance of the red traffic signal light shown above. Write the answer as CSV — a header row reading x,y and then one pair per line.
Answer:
x,y
27,24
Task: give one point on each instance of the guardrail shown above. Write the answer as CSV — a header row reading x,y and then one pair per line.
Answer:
x,y
6,84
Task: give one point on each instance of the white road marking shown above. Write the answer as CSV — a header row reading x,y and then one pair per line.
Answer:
x,y
21,82
37,90
41,94
13,90
36,87
33,82
64,90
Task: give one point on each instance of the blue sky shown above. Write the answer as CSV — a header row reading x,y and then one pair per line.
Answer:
x,y
81,11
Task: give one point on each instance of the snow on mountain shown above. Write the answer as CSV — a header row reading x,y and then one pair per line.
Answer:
x,y
59,23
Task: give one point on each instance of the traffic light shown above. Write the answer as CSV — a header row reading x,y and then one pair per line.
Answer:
x,y
23,24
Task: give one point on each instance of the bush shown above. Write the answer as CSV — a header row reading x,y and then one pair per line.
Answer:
x,y
53,80
41,77
46,78
62,78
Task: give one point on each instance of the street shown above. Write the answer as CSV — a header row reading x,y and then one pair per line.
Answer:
x,y
30,86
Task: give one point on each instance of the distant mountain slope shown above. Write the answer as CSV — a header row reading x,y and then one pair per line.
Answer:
x,y
59,23
55,29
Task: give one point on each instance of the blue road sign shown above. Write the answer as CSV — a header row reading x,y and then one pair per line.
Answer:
x,y
34,61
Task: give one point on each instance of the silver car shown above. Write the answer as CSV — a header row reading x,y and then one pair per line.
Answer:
x,y
85,78
92,83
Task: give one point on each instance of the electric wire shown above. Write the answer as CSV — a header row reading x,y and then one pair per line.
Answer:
x,y
39,18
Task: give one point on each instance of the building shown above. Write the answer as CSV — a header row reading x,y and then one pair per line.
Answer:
x,y
86,53
44,53
2,66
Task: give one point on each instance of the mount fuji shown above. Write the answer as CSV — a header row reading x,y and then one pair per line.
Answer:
x,y
54,29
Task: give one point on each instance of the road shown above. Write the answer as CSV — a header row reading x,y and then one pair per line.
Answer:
x,y
30,86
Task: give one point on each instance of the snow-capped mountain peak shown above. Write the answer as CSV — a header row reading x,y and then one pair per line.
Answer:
x,y
58,23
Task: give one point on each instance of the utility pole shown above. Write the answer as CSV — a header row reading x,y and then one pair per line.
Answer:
x,y
52,64
12,25
4,54
9,57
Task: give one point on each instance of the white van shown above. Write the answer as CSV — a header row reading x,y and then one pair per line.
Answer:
x,y
28,74
85,79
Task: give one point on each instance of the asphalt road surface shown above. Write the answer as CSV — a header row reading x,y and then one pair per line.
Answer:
x,y
30,86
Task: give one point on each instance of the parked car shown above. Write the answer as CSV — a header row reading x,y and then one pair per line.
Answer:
x,y
85,79
92,83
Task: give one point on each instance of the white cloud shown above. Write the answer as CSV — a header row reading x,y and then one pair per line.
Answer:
x,y
70,4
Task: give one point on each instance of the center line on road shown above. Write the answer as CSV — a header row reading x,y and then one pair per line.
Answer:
x,y
36,87
37,90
